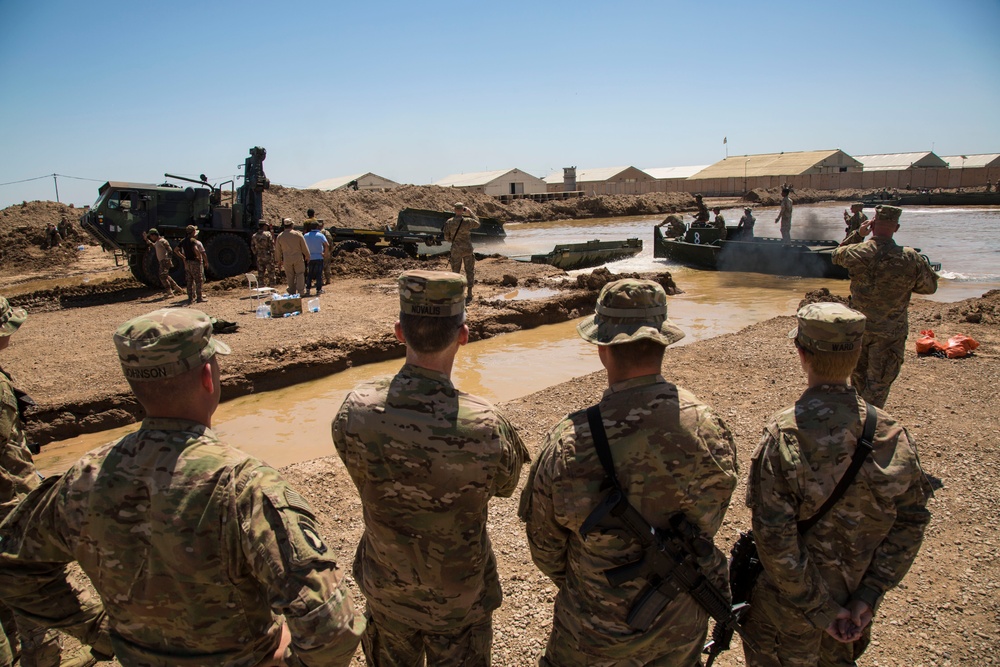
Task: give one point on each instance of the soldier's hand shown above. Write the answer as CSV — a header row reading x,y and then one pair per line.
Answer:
x,y
861,614
865,227
843,629
278,658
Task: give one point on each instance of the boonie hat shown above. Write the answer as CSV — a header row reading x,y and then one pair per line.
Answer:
x,y
165,343
431,293
287,222
630,310
888,213
153,232
11,319
829,327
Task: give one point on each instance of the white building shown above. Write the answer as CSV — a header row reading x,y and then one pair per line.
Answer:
x,y
604,181
900,161
495,183
366,181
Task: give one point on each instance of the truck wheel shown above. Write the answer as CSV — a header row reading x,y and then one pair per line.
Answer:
x,y
346,246
398,253
137,264
228,255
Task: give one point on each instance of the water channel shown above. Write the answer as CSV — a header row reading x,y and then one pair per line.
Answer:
x,y
292,424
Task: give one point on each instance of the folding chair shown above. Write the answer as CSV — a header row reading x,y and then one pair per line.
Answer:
x,y
257,294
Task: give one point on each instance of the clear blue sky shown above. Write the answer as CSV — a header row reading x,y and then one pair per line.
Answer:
x,y
416,91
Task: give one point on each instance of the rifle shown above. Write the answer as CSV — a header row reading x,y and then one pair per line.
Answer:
x,y
744,568
668,563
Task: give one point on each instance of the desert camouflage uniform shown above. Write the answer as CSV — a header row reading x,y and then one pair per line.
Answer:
x,y
39,647
785,218
327,272
426,459
720,224
458,232
164,263
854,222
883,275
263,250
194,547
194,269
672,453
859,550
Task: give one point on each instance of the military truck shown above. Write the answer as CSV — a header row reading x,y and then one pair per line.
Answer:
x,y
226,220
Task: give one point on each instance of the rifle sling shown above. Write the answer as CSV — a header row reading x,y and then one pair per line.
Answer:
x,y
600,437
861,452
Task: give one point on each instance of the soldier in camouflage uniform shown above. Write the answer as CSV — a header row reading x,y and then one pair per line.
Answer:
x,y
458,232
39,647
192,253
165,264
784,217
854,219
194,546
263,250
672,453
814,602
883,275
426,459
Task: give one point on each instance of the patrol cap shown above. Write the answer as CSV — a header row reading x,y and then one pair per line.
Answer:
x,y
888,213
153,232
165,343
828,327
459,204
287,222
630,310
431,293
10,318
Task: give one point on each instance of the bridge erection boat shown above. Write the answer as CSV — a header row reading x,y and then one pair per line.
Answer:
x,y
703,247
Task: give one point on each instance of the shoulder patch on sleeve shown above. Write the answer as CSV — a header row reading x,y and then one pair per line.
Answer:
x,y
296,501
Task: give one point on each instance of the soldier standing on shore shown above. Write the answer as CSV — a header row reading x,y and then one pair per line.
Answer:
x,y
426,459
883,275
164,260
458,232
784,216
855,218
813,603
263,250
202,554
291,252
193,254
38,647
671,453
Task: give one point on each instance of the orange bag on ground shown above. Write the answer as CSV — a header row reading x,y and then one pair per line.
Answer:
x,y
927,343
960,346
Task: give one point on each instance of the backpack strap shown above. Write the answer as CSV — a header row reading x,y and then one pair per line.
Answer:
x,y
861,452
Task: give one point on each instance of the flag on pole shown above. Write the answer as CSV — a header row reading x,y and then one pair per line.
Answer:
x,y
724,140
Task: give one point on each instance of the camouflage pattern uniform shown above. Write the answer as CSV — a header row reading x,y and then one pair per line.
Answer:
x,y
164,261
883,275
291,251
703,215
193,253
858,550
854,221
785,217
327,273
720,224
263,250
194,546
17,479
458,232
426,459
672,453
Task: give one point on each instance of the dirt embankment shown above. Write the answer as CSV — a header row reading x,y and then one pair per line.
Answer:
x,y
23,243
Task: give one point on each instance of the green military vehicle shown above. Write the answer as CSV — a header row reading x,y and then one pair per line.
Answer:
x,y
226,221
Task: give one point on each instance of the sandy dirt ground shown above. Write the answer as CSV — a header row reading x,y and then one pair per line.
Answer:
x,y
947,612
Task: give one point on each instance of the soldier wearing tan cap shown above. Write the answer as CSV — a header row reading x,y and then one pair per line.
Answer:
x,y
292,253
426,459
192,253
38,647
854,219
671,453
883,275
458,232
196,549
813,604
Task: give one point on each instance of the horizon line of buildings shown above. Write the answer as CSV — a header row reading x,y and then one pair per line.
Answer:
x,y
820,170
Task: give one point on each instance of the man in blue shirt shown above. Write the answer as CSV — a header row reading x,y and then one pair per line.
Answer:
x,y
318,246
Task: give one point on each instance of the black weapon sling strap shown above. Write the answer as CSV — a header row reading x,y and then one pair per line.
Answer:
x,y
861,452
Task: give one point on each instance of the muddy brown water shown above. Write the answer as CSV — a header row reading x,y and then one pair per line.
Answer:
x,y
293,424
